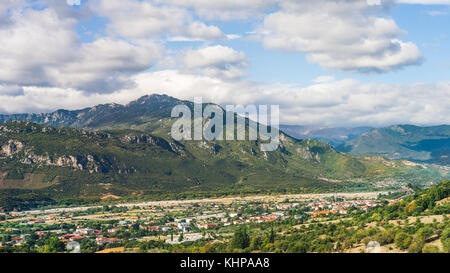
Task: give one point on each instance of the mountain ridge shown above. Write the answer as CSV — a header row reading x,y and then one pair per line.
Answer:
x,y
333,135
430,144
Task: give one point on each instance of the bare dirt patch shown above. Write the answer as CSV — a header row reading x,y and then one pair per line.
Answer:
x,y
110,197
423,219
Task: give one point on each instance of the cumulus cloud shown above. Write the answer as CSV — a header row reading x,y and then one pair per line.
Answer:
x,y
104,65
44,65
225,9
345,35
9,6
150,21
321,79
11,89
215,61
33,41
41,48
345,102
74,2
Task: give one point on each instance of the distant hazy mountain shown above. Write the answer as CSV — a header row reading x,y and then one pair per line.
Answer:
x,y
423,144
333,135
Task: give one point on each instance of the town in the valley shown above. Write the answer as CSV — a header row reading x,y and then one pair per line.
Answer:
x,y
110,228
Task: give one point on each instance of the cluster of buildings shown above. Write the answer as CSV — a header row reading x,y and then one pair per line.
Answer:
x,y
172,222
323,207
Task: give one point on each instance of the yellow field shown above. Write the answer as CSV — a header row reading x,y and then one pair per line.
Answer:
x,y
113,250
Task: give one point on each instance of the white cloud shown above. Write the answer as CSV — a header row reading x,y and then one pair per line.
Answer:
x,y
9,6
44,66
374,2
198,31
345,102
41,47
10,89
215,61
225,9
33,41
145,20
104,65
322,79
344,35
233,36
339,103
74,2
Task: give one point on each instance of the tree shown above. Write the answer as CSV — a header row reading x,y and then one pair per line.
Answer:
x,y
241,239
300,247
445,239
256,243
271,237
53,245
416,246
424,233
402,240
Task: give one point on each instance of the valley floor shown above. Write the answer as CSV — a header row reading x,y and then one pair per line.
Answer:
x,y
225,200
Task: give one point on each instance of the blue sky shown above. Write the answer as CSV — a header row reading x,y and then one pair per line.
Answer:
x,y
325,62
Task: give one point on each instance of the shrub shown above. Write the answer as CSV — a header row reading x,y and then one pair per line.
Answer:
x,y
403,240
430,249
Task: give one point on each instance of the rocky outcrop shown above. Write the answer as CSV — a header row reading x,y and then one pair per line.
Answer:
x,y
306,153
174,147
89,163
11,147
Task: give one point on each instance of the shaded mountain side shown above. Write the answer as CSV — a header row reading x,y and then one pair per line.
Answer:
x,y
420,144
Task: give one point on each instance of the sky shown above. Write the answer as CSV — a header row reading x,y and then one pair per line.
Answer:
x,y
324,62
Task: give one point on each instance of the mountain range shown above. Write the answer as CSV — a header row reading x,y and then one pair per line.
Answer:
x,y
334,135
419,144
125,152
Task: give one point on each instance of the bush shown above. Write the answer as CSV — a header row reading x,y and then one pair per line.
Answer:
x,y
385,237
430,249
445,239
299,247
403,240
416,246
424,233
